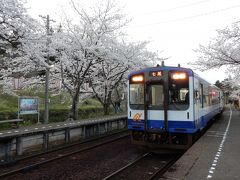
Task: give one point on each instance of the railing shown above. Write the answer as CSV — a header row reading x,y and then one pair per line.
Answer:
x,y
15,121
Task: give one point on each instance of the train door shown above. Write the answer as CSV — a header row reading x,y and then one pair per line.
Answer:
x,y
154,106
197,104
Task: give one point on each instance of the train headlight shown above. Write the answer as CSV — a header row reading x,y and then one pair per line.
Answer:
x,y
137,78
179,76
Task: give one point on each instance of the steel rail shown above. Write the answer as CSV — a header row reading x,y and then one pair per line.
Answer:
x,y
161,171
35,165
127,166
158,173
89,140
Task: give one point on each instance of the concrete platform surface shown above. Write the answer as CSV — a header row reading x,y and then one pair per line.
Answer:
x,y
216,155
55,126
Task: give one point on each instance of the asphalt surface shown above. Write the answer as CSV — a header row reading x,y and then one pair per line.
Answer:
x,y
216,155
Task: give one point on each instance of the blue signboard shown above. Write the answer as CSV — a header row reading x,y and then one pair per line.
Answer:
x,y
28,105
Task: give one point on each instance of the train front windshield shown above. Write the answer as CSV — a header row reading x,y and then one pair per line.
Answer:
x,y
137,94
178,93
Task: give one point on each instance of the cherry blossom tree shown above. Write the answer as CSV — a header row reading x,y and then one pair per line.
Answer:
x,y
88,49
112,73
13,23
83,46
92,51
223,50
16,26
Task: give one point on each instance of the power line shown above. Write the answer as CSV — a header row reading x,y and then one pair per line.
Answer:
x,y
191,17
174,8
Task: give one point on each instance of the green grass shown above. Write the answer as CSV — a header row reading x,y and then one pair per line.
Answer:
x,y
8,103
59,107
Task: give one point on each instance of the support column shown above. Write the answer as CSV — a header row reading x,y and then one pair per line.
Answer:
x,y
19,146
117,124
45,140
67,135
7,150
84,132
106,127
98,129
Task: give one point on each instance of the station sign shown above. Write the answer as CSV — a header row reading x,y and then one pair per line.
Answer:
x,y
28,105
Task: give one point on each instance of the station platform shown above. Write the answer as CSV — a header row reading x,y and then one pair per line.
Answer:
x,y
216,155
54,126
26,140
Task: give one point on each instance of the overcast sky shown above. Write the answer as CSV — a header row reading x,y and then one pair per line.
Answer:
x,y
175,27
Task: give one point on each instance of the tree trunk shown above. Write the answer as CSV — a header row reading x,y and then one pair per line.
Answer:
x,y
74,110
107,102
106,109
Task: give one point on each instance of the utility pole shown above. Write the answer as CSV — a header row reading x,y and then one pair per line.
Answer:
x,y
46,101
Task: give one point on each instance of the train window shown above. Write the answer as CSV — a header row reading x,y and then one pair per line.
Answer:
x,y
178,92
214,97
136,95
179,99
156,97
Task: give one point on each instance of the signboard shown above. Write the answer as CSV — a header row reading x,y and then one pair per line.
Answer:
x,y
28,105
156,73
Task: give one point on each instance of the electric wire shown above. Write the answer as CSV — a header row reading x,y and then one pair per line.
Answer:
x,y
174,8
190,17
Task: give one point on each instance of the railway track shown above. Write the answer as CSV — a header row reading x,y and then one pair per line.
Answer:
x,y
31,162
148,166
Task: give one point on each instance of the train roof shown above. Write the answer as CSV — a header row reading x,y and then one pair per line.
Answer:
x,y
159,68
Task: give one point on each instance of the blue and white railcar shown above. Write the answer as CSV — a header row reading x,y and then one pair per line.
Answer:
x,y
167,106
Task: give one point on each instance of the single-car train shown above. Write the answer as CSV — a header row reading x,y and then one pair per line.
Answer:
x,y
168,106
